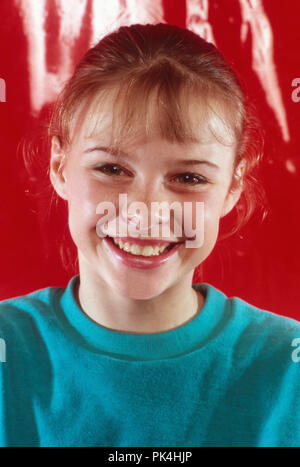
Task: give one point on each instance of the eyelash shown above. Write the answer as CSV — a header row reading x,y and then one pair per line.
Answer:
x,y
200,180
103,167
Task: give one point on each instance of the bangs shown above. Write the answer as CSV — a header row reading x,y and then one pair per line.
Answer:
x,y
151,105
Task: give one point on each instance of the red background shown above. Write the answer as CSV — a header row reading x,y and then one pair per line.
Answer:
x,y
260,264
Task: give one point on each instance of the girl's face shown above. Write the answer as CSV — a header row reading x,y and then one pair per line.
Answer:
x,y
147,170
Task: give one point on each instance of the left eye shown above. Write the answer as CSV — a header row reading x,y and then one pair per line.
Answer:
x,y
190,179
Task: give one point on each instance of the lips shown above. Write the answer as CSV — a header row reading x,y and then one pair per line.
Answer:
x,y
143,262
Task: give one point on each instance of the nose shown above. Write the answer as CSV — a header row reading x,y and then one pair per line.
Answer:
x,y
145,216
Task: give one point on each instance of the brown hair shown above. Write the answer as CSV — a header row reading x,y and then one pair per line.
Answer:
x,y
170,64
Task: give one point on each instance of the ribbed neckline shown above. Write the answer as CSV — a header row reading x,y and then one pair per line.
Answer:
x,y
125,345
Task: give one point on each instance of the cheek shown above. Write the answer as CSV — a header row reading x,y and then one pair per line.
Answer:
x,y
202,213
84,196
212,214
206,222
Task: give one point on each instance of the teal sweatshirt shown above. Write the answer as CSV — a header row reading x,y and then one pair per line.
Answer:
x,y
228,377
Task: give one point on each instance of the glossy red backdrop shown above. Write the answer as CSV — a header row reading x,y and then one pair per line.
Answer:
x,y
40,42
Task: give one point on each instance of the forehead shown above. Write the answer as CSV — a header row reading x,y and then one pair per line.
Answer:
x,y
111,118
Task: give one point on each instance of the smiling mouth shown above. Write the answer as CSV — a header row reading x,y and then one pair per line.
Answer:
x,y
143,248
140,256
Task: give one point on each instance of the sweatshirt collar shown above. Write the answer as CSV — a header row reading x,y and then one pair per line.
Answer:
x,y
186,338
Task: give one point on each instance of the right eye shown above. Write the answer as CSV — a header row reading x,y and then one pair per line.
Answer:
x,y
111,170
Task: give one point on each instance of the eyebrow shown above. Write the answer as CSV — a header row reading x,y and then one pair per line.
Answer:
x,y
118,154
109,150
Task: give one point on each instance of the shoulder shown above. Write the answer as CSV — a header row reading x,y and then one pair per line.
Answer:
x,y
248,313
23,316
37,300
252,329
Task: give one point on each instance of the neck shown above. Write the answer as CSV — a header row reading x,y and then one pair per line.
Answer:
x,y
172,308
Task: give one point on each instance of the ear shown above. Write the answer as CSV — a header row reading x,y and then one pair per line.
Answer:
x,y
235,190
57,162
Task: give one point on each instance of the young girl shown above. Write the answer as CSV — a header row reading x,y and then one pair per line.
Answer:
x,y
131,353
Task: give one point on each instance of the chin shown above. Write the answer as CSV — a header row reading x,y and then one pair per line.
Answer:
x,y
141,291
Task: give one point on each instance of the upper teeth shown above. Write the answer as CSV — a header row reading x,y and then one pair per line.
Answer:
x,y
135,249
